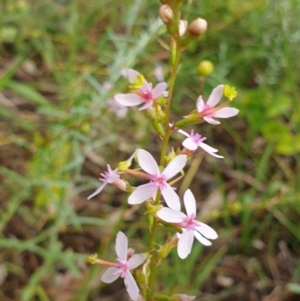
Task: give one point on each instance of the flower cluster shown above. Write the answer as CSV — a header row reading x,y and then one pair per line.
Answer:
x,y
160,179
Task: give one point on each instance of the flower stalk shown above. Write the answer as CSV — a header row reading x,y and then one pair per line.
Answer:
x,y
158,194
174,64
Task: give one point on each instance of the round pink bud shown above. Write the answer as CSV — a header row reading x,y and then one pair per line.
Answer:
x,y
198,27
166,13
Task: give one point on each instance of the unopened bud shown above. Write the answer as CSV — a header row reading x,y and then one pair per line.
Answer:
x,y
92,259
123,165
165,250
166,13
159,115
152,209
198,27
205,68
130,253
183,24
170,156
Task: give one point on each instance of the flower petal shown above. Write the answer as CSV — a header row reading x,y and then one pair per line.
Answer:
x,y
131,286
189,202
183,133
159,73
184,297
207,148
200,104
97,191
171,197
130,74
110,275
121,246
210,150
207,231
226,112
175,166
190,144
146,87
170,216
111,175
136,260
211,120
120,184
201,239
147,162
128,100
185,244
215,96
159,90
147,105
141,194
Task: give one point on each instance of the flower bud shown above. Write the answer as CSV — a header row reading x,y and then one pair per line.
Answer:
x,y
205,68
198,27
183,24
166,13
130,253
92,259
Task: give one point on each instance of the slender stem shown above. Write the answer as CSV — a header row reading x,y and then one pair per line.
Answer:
x,y
174,63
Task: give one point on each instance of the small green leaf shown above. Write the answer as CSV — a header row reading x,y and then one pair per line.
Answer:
x,y
293,287
28,92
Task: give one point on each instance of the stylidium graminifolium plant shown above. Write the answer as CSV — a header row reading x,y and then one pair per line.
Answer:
x,y
158,195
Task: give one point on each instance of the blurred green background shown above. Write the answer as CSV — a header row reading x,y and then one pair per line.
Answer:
x,y
57,133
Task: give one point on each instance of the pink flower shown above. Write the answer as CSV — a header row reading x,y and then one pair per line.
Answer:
x,y
107,86
144,94
190,227
208,111
158,180
124,266
159,73
193,141
184,297
109,177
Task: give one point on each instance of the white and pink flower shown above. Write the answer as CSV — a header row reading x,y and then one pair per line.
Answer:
x,y
123,266
191,228
194,140
209,111
158,180
109,177
145,94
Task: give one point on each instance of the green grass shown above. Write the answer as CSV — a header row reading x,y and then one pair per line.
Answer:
x,y
55,57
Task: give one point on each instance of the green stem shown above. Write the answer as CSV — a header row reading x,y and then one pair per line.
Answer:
x,y
174,63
